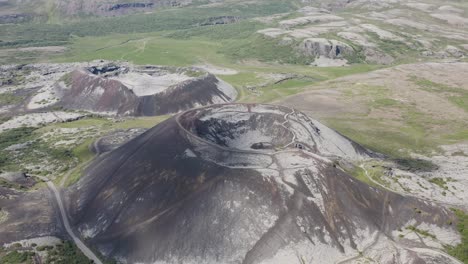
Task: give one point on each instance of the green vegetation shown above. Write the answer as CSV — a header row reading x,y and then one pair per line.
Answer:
x,y
269,93
397,128
407,131
85,156
442,183
384,102
432,86
460,100
16,257
15,79
394,48
459,135
377,135
3,215
360,174
458,96
140,122
416,165
41,155
156,48
83,153
239,30
263,49
15,136
398,131
374,175
33,153
66,78
461,250
422,232
43,248
4,119
66,253
145,49
11,185
12,137
168,19
10,98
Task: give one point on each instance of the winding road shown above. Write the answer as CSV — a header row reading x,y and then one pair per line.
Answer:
x,y
279,168
66,223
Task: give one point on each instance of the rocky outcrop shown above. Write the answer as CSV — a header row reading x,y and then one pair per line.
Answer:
x,y
220,20
113,7
329,48
19,178
373,55
108,70
330,4
16,18
131,5
455,52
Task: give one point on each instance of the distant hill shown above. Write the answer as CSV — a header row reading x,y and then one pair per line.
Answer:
x,y
17,11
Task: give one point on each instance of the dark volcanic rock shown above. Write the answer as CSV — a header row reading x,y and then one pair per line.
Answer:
x,y
186,95
221,20
107,70
19,178
25,215
93,93
16,18
131,5
198,189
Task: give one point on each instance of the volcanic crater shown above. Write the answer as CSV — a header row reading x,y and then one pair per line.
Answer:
x,y
246,183
266,129
240,129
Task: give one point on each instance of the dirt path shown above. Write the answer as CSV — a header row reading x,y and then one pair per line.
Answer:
x,y
86,251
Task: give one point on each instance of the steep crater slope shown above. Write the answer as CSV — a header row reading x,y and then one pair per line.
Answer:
x,y
240,183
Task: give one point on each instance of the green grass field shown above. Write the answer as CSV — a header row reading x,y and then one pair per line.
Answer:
x,y
252,63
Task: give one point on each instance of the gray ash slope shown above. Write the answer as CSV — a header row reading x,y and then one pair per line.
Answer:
x,y
37,215
246,184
